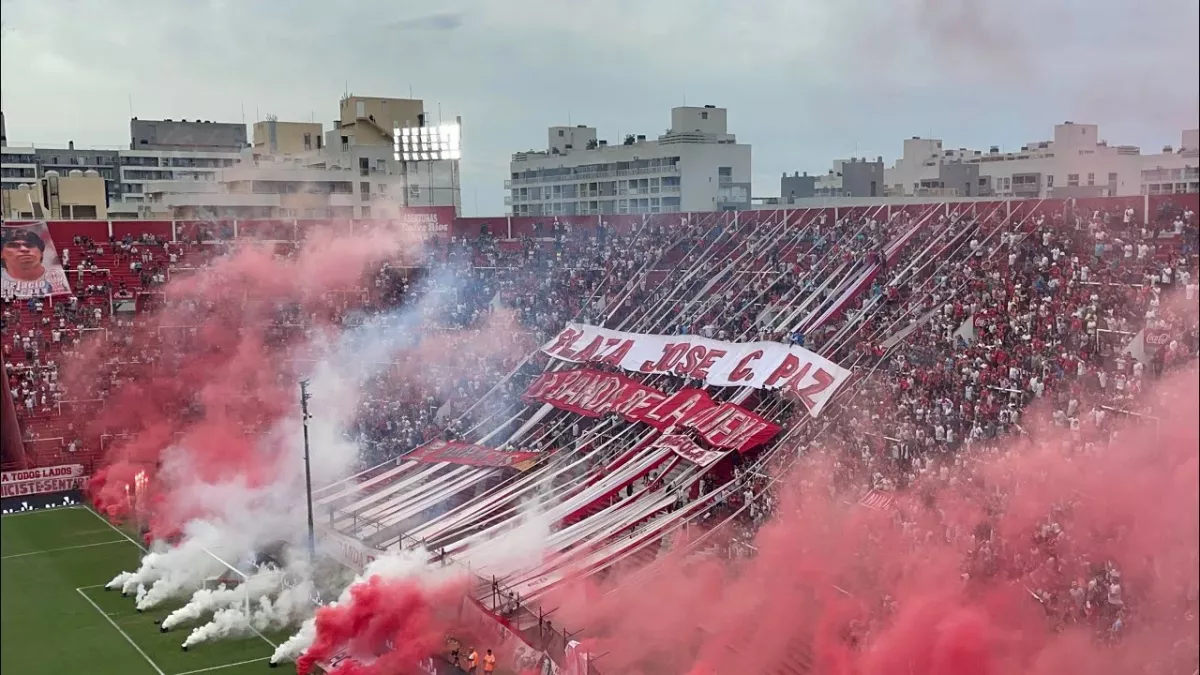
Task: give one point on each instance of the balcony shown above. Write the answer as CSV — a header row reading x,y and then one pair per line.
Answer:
x,y
593,175
207,199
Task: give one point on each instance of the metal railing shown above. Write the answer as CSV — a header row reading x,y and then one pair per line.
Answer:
x,y
493,596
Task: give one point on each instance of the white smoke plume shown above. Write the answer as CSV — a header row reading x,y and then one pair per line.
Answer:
x,y
206,601
147,572
293,647
512,550
183,569
393,566
242,620
118,581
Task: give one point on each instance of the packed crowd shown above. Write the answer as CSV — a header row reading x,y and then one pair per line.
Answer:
x,y
976,319
1076,313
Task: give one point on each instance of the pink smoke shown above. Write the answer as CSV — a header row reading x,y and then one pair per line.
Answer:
x,y
839,589
203,376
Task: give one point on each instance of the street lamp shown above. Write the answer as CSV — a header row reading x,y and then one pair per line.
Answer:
x,y
312,537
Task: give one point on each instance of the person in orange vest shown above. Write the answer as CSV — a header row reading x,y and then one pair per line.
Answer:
x,y
472,661
489,662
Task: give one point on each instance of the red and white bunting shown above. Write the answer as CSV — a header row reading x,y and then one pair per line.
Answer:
x,y
594,394
805,375
470,455
876,499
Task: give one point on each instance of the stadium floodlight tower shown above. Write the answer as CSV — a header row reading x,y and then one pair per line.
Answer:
x,y
312,537
427,144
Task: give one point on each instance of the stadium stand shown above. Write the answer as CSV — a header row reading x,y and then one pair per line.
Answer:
x,y
954,318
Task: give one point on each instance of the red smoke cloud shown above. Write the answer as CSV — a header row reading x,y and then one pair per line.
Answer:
x,y
839,589
205,375
386,627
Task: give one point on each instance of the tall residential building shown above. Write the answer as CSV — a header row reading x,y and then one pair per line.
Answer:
x,y
145,172
371,121
360,170
207,169
1076,163
272,137
359,182
200,135
697,165
77,195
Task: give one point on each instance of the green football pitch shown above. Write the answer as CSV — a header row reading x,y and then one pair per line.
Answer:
x,y
56,617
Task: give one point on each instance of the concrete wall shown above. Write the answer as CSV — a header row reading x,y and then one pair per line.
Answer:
x,y
961,177
796,186
60,197
184,135
371,121
287,138
862,178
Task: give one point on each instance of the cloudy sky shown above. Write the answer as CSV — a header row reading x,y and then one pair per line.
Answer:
x,y
805,81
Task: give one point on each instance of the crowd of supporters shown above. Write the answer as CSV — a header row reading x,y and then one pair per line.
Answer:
x,y
976,317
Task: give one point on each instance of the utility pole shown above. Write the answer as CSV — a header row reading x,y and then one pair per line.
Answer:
x,y
312,537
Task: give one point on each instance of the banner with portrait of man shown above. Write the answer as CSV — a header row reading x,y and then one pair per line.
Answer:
x,y
31,267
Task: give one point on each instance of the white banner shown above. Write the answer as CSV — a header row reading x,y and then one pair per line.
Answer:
x,y
803,374
685,448
42,480
42,473
349,551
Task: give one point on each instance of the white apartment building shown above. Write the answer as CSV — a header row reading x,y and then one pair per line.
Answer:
x,y
1076,163
18,166
143,172
697,165
356,182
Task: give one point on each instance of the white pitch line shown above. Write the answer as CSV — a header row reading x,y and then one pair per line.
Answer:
x,y
121,631
119,531
65,548
37,511
227,665
144,550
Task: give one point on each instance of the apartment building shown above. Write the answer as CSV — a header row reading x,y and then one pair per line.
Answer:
x,y
697,165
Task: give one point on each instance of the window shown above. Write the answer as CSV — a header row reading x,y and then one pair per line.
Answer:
x,y
365,189
1049,180
1072,180
1091,179
366,212
364,167
414,192
704,114
308,141
1112,177
345,143
561,133
87,211
381,188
